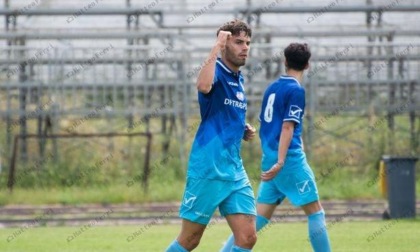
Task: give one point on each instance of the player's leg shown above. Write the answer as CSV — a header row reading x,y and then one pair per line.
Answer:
x,y
198,205
317,228
268,199
302,191
189,237
240,211
243,228
318,234
264,213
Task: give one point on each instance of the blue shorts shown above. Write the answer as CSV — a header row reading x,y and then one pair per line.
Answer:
x,y
296,181
203,196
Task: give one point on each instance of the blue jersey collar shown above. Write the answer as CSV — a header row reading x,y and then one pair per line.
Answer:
x,y
226,68
287,77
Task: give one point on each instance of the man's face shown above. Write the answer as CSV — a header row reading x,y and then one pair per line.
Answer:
x,y
237,48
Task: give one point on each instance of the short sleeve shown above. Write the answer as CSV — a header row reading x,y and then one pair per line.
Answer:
x,y
295,106
213,85
215,79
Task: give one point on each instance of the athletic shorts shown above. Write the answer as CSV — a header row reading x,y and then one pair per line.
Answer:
x,y
203,196
296,181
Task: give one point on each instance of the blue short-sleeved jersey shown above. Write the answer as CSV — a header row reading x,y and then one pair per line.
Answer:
x,y
284,100
215,153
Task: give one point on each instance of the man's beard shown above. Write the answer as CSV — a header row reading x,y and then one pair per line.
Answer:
x,y
233,59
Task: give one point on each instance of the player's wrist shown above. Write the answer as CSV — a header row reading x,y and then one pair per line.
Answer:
x,y
279,163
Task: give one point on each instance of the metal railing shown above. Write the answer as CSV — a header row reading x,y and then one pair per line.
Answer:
x,y
140,69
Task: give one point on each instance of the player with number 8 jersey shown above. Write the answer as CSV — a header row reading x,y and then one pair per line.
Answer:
x,y
284,101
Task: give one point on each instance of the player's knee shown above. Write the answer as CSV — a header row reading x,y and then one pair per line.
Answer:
x,y
192,244
252,239
246,240
192,241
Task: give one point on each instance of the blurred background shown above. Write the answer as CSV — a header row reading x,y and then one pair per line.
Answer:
x,y
98,101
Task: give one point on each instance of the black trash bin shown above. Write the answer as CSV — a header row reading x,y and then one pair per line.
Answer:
x,y
401,186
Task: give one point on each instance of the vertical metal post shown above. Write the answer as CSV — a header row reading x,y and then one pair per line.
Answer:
x,y
369,66
8,123
369,49
41,140
391,98
23,92
11,180
310,117
130,116
8,118
412,115
7,22
184,97
146,171
54,128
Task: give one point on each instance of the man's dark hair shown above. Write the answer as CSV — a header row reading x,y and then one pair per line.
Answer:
x,y
236,26
297,56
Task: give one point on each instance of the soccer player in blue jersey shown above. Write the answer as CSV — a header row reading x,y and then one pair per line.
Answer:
x,y
216,176
285,171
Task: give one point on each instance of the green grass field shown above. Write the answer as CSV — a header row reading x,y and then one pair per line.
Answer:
x,y
401,236
348,171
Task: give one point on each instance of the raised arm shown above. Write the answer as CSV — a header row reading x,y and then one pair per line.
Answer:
x,y
206,76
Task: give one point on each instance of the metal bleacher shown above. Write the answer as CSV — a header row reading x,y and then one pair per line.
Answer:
x,y
134,58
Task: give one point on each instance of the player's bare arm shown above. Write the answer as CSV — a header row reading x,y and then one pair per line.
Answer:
x,y
206,75
285,138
